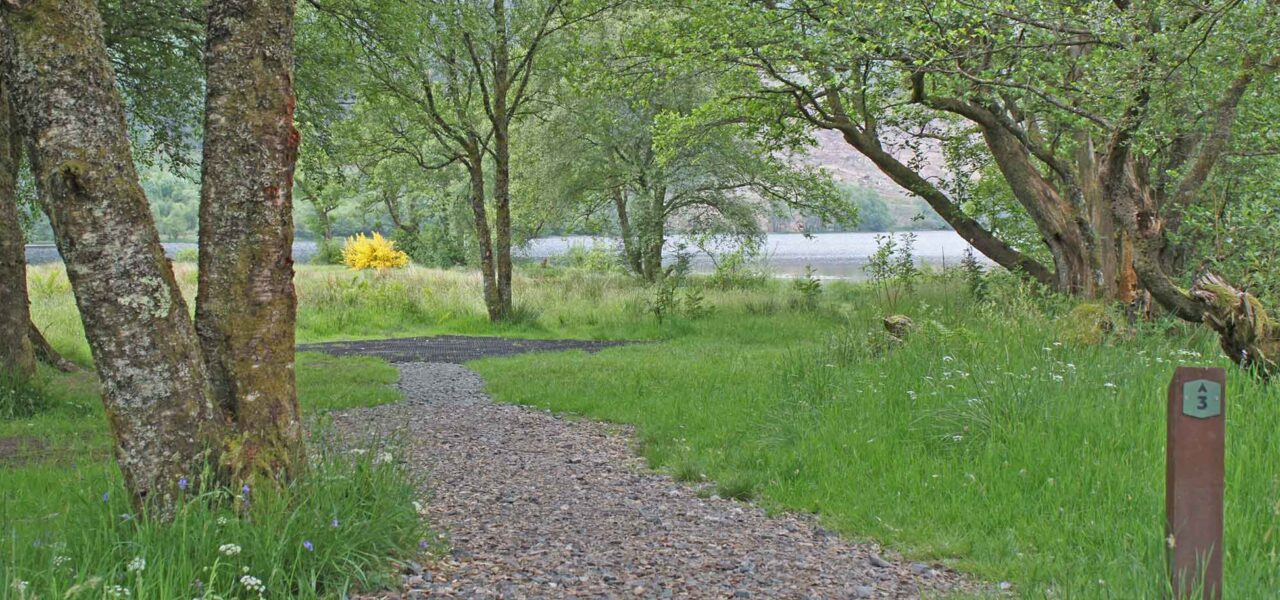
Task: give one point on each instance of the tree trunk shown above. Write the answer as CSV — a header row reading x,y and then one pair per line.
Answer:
x,y
654,236
502,158
246,305
1065,231
1059,215
17,357
502,218
1113,249
46,354
972,231
475,166
154,385
629,249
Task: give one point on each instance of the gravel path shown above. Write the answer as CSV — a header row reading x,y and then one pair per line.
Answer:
x,y
536,506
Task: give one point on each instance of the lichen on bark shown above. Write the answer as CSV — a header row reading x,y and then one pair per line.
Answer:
x,y
246,304
154,386
17,356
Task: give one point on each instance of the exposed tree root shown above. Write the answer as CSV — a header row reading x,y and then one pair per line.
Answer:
x,y
46,354
1247,333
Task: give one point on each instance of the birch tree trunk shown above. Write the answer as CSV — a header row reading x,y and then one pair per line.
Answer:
x,y
653,238
502,157
154,384
630,249
17,357
245,308
475,171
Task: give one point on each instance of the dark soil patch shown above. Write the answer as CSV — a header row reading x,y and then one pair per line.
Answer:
x,y
20,449
456,349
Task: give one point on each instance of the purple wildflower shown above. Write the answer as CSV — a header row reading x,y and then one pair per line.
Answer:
x,y
182,483
308,545
335,524
423,544
106,496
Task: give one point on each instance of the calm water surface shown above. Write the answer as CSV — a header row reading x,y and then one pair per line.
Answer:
x,y
832,255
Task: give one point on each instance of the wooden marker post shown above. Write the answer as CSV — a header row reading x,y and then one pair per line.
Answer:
x,y
1194,481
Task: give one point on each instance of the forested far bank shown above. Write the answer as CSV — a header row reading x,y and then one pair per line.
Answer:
x,y
174,201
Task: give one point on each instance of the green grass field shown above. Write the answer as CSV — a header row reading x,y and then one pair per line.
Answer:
x,y
1007,437
987,440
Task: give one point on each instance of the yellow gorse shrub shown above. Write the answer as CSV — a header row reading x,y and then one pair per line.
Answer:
x,y
375,252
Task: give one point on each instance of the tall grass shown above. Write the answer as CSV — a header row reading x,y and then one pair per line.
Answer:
x,y
985,439
67,529
996,437
330,530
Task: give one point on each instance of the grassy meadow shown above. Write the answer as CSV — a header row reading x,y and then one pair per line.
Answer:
x,y
1008,436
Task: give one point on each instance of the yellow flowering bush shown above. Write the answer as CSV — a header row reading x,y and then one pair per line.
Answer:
x,y
374,252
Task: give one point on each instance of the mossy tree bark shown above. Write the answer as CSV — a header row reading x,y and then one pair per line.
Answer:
x,y
654,233
1245,330
17,357
154,385
497,85
630,248
245,307
474,159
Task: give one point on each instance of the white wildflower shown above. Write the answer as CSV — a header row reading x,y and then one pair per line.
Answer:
x,y
137,565
116,591
58,561
383,457
417,506
1109,385
223,521
21,586
252,584
229,549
